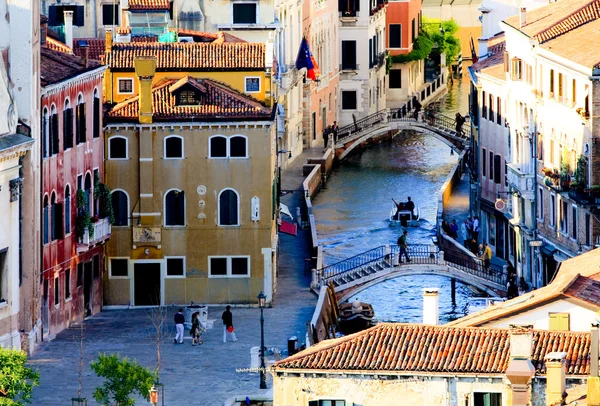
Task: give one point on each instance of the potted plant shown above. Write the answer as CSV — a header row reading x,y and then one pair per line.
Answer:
x,y
82,223
94,219
547,171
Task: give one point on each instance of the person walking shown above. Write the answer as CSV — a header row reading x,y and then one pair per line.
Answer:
x,y
487,256
454,230
179,320
470,227
228,329
459,120
403,247
196,331
335,129
464,234
417,106
475,231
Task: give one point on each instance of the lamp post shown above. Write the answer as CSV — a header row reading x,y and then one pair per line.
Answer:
x,y
262,300
153,395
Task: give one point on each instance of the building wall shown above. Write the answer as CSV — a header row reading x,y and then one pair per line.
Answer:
x,y
580,317
412,78
58,171
201,237
295,390
403,12
219,16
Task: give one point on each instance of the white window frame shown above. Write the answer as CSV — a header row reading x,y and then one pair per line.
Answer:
x,y
226,147
164,199
70,297
256,17
126,148
229,147
128,207
553,211
239,223
246,84
64,199
110,275
182,146
167,276
388,34
342,102
229,275
119,80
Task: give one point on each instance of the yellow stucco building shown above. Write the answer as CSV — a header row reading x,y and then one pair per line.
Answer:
x,y
190,159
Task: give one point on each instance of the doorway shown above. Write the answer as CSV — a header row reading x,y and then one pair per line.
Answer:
x,y
314,125
146,284
87,289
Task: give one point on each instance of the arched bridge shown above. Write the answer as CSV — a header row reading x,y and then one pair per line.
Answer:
x,y
357,273
389,121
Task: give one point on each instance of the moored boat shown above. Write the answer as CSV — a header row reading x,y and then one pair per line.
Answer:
x,y
354,317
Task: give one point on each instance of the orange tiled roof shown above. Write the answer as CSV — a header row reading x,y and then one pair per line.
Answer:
x,y
495,57
56,66
96,47
575,45
217,101
57,45
436,349
139,5
192,56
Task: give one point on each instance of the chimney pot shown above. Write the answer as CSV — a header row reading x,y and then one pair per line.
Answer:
x,y
145,68
521,340
594,350
431,313
522,17
555,377
68,18
85,55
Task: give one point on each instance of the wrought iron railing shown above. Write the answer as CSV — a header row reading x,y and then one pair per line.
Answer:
x,y
342,267
476,267
362,124
418,253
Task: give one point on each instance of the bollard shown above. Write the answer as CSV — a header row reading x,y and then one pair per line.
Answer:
x,y
441,258
459,67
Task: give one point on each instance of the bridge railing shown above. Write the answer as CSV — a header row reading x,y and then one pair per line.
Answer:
x,y
475,267
363,259
418,253
362,124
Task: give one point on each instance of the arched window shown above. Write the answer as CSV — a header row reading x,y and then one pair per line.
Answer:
x,y
120,203
80,120
217,147
238,147
88,193
67,126
45,133
97,115
56,219
117,148
46,219
67,210
173,148
175,208
540,146
54,140
229,208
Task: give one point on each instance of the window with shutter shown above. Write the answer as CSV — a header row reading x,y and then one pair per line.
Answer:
x,y
370,53
491,165
46,220
68,128
96,118
559,321
80,122
228,208
58,222
506,62
395,35
349,55
395,78
54,136
497,169
483,162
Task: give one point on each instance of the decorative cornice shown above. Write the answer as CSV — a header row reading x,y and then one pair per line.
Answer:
x,y
77,80
246,125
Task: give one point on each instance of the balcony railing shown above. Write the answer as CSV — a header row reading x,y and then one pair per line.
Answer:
x,y
524,182
349,67
102,232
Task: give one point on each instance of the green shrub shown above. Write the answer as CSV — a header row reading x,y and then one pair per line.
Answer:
x,y
16,380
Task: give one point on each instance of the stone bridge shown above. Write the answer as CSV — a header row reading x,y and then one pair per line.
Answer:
x,y
387,123
357,273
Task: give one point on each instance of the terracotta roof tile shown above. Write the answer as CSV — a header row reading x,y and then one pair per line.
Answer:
x,y
217,101
583,266
496,56
575,44
57,66
96,47
192,56
139,5
436,349
57,45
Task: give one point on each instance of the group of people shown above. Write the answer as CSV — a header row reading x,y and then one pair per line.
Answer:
x,y
330,129
409,205
469,231
514,288
197,327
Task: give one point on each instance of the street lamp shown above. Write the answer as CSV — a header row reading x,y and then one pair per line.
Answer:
x,y
262,301
153,395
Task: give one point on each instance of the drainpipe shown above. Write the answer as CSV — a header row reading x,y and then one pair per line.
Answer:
x,y
21,222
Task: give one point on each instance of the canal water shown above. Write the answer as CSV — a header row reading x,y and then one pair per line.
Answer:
x,y
352,213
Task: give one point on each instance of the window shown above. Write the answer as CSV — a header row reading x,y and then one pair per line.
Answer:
x,y
80,274
588,229
370,53
175,266
540,213
120,203
349,55
46,220
244,13
56,219
187,98
88,190
395,78
564,216
119,268
413,31
487,399
483,162
80,129
217,147
175,208
559,321
56,291
552,151
45,132
125,86
560,84
67,210
68,284
97,115
552,210
67,126
56,14
229,208
96,266
506,62
395,35
491,165
516,71
3,275
54,136
551,82
483,106
497,169
234,266
110,14
252,85
574,92
237,147
173,147
326,403
117,148
574,222
491,103
498,111
228,147
540,146
349,100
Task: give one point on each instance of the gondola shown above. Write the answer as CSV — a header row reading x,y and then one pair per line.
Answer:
x,y
354,317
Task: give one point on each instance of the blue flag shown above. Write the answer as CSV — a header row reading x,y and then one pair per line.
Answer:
x,y
305,60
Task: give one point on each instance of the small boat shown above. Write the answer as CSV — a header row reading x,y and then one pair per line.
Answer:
x,y
404,218
481,303
354,317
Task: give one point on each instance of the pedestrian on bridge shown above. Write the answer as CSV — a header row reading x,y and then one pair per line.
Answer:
x,y
417,106
403,247
459,120
464,233
487,256
475,231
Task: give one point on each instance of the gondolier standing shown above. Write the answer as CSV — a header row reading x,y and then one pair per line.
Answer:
x,y
403,247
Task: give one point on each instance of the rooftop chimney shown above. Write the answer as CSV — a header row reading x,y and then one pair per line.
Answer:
x,y
593,382
123,35
430,306
109,41
520,369
85,55
145,67
555,378
68,16
522,17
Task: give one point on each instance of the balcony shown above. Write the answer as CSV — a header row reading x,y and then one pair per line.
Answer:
x,y
349,67
101,234
523,182
585,197
290,77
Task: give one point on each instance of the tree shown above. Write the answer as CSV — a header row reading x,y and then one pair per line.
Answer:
x,y
16,380
122,378
445,38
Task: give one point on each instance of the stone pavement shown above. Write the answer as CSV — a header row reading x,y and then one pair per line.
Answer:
x,y
200,375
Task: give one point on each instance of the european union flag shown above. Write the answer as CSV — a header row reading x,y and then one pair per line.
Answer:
x,y
305,60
